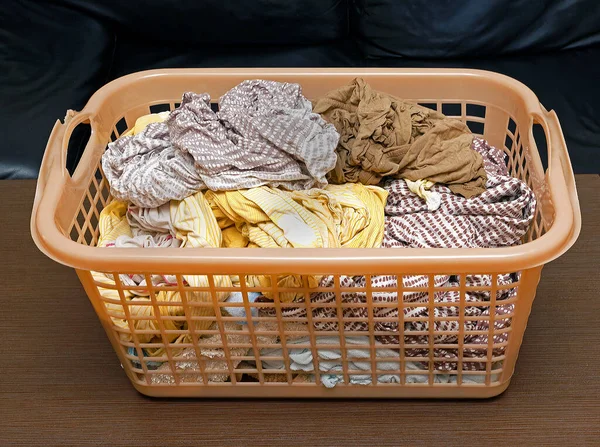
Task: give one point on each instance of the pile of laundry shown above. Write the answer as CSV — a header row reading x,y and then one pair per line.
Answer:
x,y
356,168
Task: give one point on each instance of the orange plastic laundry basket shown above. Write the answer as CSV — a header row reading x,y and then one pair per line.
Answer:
x,y
64,225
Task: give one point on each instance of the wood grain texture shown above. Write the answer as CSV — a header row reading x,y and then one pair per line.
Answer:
x,y
61,383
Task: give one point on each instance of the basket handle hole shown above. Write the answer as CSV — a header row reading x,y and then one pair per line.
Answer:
x,y
542,144
77,142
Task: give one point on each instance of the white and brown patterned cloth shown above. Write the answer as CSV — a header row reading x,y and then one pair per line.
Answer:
x,y
264,133
498,217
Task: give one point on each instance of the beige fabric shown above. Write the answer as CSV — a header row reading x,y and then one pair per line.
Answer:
x,y
381,135
155,221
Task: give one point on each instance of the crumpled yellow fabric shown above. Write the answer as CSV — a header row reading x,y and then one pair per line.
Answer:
x,y
196,227
381,136
350,215
113,223
143,121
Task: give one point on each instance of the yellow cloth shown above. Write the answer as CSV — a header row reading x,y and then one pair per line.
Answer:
x,y
113,223
196,227
350,215
143,121
362,222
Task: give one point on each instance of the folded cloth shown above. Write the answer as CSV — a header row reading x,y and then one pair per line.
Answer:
x,y
383,136
498,217
264,134
358,355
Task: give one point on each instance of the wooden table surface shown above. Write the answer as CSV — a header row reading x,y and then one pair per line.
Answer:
x,y
61,383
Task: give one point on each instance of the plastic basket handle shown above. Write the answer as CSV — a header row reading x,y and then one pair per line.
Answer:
x,y
560,176
53,175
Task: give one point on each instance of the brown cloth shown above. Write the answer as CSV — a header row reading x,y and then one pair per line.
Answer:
x,y
382,136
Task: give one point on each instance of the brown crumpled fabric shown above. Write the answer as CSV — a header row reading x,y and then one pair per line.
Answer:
x,y
383,136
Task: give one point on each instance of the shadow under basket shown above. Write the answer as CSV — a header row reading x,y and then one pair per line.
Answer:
x,y
179,340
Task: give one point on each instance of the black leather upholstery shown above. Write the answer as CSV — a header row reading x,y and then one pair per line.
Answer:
x,y
130,56
222,22
55,53
52,59
468,28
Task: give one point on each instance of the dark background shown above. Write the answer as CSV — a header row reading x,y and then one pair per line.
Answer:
x,y
55,53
